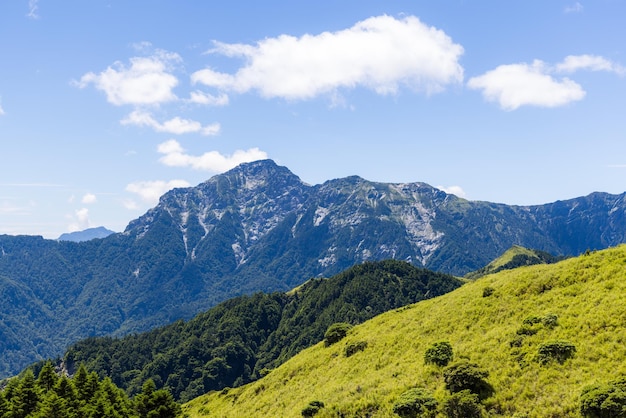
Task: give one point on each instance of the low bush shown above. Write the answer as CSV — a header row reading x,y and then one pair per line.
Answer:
x,y
355,347
558,351
312,408
440,354
463,404
417,402
467,376
336,332
604,400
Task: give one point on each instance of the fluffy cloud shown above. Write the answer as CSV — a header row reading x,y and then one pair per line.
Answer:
x,y
573,63
147,81
89,198
175,156
535,84
80,220
380,53
518,85
176,125
151,191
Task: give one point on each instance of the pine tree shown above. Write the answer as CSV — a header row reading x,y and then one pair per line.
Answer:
x,y
47,377
26,396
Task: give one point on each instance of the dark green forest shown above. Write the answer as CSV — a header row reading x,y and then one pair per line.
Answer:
x,y
85,395
239,340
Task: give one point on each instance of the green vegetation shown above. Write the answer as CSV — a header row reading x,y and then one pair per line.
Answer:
x,y
577,302
440,354
514,257
84,395
242,339
336,332
417,402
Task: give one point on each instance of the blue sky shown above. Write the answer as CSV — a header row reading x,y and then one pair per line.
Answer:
x,y
105,105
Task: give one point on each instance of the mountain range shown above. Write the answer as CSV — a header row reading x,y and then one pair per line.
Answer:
x,y
258,227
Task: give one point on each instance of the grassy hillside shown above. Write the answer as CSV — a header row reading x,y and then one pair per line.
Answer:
x,y
514,257
498,322
238,340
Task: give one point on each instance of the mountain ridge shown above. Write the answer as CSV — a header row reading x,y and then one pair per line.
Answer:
x,y
258,227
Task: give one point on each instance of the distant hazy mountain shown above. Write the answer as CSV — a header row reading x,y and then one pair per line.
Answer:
x,y
255,228
86,235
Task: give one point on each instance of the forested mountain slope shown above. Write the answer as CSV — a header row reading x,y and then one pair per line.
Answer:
x,y
234,342
256,228
539,341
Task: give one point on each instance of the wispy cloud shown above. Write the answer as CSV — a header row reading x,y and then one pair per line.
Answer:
x,y
177,125
574,8
380,53
151,191
33,9
538,84
573,63
175,156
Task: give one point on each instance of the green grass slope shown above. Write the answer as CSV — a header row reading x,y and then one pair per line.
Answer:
x,y
514,257
493,329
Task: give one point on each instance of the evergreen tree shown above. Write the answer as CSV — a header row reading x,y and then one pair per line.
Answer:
x,y
152,403
54,406
26,397
47,377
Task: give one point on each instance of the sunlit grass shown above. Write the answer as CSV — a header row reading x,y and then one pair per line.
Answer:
x,y
586,294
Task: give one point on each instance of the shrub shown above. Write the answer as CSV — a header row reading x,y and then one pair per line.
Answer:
x,y
336,332
488,291
603,400
440,354
467,376
555,351
550,320
312,408
463,404
354,348
415,402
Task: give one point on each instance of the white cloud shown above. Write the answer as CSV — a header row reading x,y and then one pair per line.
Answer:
x,y
148,80
518,85
203,98
176,125
175,156
455,190
80,220
33,9
89,198
1,110
573,63
380,53
574,8
151,191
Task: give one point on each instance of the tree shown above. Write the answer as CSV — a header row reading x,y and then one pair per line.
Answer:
x,y
153,403
26,396
47,377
